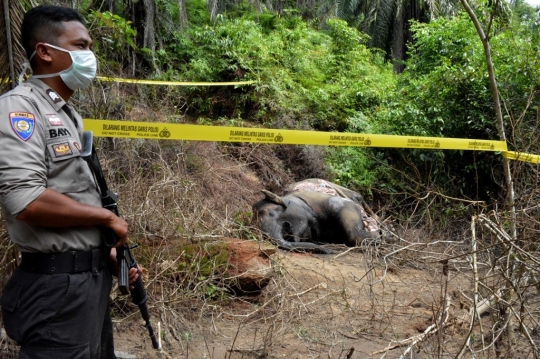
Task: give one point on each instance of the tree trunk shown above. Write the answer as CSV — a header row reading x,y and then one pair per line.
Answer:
x,y
182,14
112,6
149,31
9,43
212,6
398,39
510,265
401,32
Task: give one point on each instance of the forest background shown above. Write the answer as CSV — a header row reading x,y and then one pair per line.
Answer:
x,y
393,67
385,67
403,67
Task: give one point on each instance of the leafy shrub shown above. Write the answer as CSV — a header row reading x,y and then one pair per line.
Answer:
x,y
113,39
445,92
322,78
352,168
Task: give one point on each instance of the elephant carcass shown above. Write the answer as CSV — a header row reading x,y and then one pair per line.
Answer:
x,y
302,219
320,185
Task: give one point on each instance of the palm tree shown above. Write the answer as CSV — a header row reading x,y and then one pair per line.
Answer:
x,y
12,59
387,21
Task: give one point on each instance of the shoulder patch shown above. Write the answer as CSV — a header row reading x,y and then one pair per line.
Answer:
x,y
54,96
23,123
54,120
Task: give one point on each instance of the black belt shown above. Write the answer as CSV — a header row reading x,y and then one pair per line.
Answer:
x,y
65,262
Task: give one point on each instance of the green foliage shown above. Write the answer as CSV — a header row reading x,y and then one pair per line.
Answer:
x,y
327,80
360,169
445,92
353,168
346,39
320,78
517,63
445,89
197,13
113,38
330,80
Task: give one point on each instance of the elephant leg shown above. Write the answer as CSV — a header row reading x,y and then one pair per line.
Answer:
x,y
350,220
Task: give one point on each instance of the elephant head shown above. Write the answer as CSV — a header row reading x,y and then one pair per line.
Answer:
x,y
287,220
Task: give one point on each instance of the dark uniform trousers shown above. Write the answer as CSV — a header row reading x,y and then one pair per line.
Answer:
x,y
59,316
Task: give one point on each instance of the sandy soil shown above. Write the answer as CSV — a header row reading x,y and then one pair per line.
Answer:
x,y
317,306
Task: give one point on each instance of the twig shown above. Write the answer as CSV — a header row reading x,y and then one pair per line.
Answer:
x,y
320,285
234,340
433,328
475,297
343,253
256,310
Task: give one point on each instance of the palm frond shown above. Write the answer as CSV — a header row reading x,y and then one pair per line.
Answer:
x,y
12,59
379,21
442,8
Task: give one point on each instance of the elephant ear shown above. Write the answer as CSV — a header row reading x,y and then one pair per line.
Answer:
x,y
273,197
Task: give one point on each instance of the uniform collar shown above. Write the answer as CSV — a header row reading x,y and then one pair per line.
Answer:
x,y
49,94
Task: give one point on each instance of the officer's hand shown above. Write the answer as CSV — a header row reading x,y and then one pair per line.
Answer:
x,y
120,227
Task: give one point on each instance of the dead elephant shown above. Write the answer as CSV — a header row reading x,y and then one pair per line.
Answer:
x,y
315,211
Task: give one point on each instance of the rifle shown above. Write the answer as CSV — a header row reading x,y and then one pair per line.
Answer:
x,y
123,254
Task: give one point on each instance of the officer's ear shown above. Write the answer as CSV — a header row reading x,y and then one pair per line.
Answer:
x,y
43,53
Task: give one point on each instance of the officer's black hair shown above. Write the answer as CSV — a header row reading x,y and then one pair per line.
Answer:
x,y
44,23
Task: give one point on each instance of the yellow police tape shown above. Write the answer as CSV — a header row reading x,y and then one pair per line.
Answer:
x,y
172,83
520,156
170,131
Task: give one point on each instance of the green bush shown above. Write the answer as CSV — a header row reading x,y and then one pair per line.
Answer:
x,y
445,92
113,39
322,78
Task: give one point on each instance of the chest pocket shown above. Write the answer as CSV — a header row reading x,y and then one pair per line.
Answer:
x,y
67,171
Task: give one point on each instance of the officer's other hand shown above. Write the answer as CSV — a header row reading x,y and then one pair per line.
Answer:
x,y
134,273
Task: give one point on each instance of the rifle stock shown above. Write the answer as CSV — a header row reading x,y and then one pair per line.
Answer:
x,y
125,259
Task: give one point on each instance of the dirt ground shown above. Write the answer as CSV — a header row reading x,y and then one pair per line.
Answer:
x,y
349,305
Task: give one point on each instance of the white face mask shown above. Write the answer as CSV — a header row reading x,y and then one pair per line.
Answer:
x,y
81,72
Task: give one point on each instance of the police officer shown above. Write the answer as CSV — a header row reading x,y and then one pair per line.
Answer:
x,y
56,302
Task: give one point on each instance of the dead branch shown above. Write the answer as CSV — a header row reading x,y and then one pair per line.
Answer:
x,y
412,341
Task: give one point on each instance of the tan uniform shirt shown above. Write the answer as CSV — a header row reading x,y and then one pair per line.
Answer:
x,y
40,148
